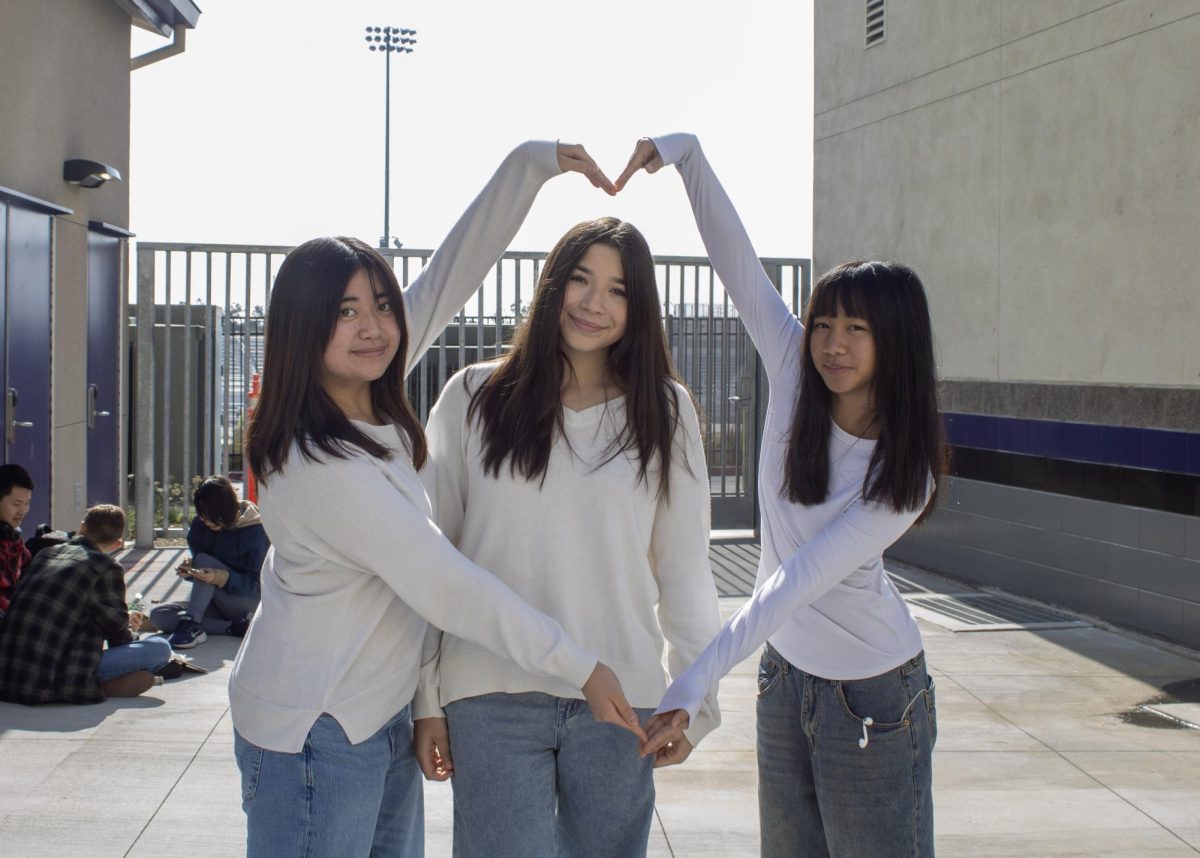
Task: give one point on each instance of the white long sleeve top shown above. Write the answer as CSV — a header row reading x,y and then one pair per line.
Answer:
x,y
356,565
821,596
625,572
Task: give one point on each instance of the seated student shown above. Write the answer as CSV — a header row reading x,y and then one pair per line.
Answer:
x,y
228,544
68,603
16,491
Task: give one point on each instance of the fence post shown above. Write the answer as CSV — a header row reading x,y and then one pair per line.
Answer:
x,y
143,404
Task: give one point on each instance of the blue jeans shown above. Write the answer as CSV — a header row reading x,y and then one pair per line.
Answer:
x,y
151,654
334,799
214,608
537,775
822,789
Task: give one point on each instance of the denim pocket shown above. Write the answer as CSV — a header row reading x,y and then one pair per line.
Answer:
x,y
769,674
883,699
249,761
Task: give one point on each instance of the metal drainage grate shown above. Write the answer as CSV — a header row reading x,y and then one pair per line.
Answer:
x,y
734,566
902,584
987,612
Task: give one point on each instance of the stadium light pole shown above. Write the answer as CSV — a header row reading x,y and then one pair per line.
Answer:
x,y
389,40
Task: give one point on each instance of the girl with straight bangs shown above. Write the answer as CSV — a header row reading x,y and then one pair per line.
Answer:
x,y
851,454
573,469
320,691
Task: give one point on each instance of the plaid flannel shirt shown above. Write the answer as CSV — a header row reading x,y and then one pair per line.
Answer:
x,y
14,557
67,603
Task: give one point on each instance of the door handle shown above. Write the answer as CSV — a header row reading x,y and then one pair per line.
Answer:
x,y
93,393
13,423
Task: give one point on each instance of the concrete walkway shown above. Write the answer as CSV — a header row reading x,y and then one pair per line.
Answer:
x,y
1036,754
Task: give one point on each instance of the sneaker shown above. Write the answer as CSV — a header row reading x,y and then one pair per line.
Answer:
x,y
239,627
187,634
173,669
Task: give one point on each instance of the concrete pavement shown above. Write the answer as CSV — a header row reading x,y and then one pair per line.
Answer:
x,y
1042,751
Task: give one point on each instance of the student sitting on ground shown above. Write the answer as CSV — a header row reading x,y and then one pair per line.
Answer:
x,y
16,492
68,602
228,544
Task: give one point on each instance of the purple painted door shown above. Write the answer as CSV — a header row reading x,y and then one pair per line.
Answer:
x,y
27,354
104,319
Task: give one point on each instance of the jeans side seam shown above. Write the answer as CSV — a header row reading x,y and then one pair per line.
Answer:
x,y
914,824
309,789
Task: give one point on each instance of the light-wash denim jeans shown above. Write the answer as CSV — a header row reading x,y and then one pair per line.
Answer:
x,y
536,775
212,606
334,799
845,767
151,654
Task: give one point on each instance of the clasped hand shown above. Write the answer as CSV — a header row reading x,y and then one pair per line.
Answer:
x,y
573,158
662,735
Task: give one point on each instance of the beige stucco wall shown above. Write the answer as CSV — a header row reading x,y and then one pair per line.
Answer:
x,y
64,93
1037,163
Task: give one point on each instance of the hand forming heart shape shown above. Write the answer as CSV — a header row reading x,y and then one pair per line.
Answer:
x,y
572,157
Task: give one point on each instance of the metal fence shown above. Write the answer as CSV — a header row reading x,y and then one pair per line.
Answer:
x,y
196,340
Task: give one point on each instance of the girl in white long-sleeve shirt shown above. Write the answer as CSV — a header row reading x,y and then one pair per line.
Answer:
x,y
851,451
572,468
321,687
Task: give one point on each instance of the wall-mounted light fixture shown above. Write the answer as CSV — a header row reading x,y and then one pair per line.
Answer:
x,y
88,174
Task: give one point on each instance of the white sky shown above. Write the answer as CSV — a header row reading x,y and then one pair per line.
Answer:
x,y
269,128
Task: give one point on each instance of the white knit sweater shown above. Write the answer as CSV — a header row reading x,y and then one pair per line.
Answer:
x,y
619,567
821,596
356,565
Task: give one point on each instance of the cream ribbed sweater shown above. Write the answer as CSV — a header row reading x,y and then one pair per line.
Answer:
x,y
625,572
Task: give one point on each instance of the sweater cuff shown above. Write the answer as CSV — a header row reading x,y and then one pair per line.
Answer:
x,y
687,692
426,704
543,156
673,148
699,727
577,665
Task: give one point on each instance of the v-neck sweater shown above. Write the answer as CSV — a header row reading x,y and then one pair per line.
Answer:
x,y
357,567
625,572
821,596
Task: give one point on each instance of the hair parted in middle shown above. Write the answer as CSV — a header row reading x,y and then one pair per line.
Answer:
x,y
520,404
891,299
293,406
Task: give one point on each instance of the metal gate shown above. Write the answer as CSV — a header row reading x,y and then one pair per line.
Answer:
x,y
199,318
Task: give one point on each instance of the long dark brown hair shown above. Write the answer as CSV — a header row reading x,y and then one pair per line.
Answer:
x,y
293,406
911,447
520,404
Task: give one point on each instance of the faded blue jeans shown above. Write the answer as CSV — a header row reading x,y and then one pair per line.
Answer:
x,y
536,775
822,789
151,654
212,606
334,799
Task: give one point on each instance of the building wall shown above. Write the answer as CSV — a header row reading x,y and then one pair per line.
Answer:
x,y
64,93
1037,164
